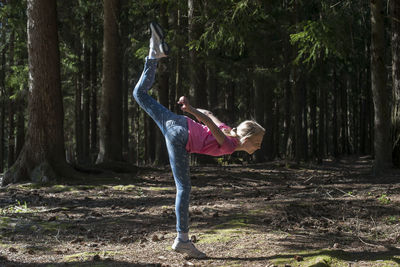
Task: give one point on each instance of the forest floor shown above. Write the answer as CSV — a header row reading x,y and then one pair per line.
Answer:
x,y
273,214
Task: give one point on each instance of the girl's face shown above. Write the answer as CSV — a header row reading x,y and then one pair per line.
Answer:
x,y
253,143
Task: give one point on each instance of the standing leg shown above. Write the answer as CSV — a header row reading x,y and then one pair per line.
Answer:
x,y
176,138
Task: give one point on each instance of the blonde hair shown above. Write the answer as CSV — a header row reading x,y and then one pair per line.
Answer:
x,y
245,130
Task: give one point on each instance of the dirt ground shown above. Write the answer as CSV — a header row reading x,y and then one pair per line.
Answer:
x,y
274,214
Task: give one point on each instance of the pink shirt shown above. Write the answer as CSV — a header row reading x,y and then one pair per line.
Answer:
x,y
201,140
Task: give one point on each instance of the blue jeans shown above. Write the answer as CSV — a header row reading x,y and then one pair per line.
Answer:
x,y
175,130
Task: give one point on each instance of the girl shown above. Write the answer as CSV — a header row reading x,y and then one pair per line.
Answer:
x,y
184,136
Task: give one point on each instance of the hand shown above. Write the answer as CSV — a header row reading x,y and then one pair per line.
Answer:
x,y
185,104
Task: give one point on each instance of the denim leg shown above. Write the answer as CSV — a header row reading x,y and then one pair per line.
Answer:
x,y
179,159
156,111
175,130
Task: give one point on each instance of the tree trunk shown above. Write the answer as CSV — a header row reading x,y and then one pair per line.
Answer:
x,y
381,97
344,119
305,120
259,106
111,98
11,106
163,92
93,95
43,155
78,109
321,124
21,104
298,140
313,119
3,96
395,15
86,92
197,69
334,116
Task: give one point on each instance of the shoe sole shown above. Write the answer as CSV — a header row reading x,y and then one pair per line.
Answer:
x,y
164,48
187,253
158,31
156,28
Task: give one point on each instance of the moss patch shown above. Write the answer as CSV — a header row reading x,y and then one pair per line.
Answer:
x,y
160,188
225,232
336,258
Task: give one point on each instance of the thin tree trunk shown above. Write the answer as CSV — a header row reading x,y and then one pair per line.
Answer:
x,y
111,98
395,16
163,92
3,96
93,96
86,93
381,97
20,122
321,125
78,111
334,116
197,69
259,105
298,140
11,105
305,121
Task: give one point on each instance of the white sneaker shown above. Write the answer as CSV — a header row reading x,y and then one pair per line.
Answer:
x,y
187,248
158,48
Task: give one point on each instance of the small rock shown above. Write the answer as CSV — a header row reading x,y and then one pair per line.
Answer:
x,y
336,245
298,258
77,240
125,239
162,258
188,263
30,251
52,219
96,257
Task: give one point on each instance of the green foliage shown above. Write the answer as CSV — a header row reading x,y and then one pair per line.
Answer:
x,y
18,79
315,41
384,199
18,207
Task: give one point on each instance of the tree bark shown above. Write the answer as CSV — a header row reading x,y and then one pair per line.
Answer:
x,y
111,98
43,155
395,16
2,109
93,96
381,96
11,105
86,92
163,92
197,68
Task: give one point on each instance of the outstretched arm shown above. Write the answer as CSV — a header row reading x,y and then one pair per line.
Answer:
x,y
210,121
211,115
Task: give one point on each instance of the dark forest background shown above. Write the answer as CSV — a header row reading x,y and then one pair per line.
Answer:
x,y
321,76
